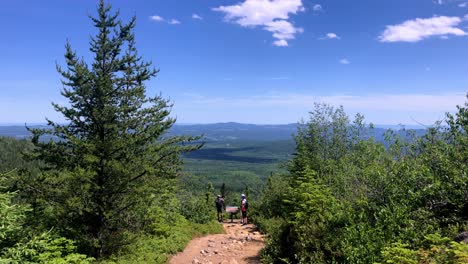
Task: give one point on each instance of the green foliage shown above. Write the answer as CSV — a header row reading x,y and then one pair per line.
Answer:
x,y
19,245
45,249
12,217
314,220
107,158
436,249
11,154
349,199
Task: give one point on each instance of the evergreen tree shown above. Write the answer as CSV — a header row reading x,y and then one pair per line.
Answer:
x,y
105,162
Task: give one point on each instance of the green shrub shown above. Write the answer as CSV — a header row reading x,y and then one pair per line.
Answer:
x,y
44,249
437,249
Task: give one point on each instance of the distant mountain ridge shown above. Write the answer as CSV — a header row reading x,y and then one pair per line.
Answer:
x,y
222,131
237,131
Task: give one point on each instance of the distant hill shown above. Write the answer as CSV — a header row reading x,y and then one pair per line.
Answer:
x,y
212,132
237,131
224,131
236,154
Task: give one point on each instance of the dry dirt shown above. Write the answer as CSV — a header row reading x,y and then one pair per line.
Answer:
x,y
239,245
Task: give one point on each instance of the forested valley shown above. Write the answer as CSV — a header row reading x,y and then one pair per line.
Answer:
x,y
113,186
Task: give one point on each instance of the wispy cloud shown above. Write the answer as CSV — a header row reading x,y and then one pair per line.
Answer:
x,y
196,16
279,78
464,4
317,8
344,61
174,22
421,28
398,102
330,36
157,18
271,15
290,107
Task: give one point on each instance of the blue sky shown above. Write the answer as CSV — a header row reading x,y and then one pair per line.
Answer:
x,y
254,61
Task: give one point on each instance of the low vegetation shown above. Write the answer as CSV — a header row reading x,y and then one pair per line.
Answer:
x,y
347,199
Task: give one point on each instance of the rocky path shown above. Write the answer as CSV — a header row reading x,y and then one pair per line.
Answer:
x,y
239,245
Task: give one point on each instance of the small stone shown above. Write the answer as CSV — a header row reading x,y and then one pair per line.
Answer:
x,y
233,261
211,245
216,251
196,261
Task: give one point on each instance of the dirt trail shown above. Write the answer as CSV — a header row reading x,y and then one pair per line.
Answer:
x,y
239,245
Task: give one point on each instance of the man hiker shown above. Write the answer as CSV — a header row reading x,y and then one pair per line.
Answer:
x,y
244,207
219,207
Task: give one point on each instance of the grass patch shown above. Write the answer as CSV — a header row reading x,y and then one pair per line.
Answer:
x,y
158,248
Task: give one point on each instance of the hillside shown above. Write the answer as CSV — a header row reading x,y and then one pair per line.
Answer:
x,y
237,154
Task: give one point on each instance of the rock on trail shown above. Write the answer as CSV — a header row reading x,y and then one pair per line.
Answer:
x,y
239,245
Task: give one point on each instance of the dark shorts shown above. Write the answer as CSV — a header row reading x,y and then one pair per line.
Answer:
x,y
219,209
244,214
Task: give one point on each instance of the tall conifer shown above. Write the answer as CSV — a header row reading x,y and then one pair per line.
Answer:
x,y
113,148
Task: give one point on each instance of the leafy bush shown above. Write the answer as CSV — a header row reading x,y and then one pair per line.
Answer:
x,y
437,249
45,249
348,199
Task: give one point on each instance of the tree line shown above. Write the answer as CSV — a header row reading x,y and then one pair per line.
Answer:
x,y
349,199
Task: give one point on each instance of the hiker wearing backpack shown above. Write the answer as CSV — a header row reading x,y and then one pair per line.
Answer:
x,y
219,207
244,207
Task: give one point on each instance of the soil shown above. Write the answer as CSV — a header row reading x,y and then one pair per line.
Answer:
x,y
241,244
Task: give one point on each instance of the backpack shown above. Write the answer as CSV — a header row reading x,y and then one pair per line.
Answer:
x,y
246,205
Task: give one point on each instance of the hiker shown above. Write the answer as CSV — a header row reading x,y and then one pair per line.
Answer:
x,y
219,207
244,207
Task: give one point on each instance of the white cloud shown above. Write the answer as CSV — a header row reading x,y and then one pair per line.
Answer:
x,y
157,18
330,36
271,15
280,43
174,22
195,16
161,19
345,61
317,8
421,28
464,4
